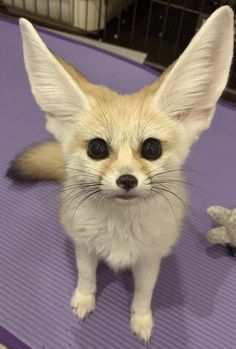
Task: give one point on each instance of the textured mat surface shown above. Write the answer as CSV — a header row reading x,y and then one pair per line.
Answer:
x,y
194,302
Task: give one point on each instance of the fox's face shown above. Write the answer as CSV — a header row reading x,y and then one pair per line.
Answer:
x,y
127,147
122,149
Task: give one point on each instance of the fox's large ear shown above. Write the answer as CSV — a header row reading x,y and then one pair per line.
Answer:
x,y
191,89
54,89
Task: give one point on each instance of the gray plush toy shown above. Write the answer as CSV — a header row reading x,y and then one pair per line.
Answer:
x,y
226,233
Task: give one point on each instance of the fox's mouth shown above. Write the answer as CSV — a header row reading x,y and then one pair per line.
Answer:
x,y
125,197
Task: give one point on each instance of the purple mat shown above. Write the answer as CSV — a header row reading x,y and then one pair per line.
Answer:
x,y
194,302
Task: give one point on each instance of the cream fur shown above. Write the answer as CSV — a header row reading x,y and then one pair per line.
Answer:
x,y
138,233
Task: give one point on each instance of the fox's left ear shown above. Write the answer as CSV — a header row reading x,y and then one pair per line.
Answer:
x,y
191,89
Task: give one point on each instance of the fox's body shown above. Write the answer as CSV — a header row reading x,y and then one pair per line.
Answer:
x,y
119,157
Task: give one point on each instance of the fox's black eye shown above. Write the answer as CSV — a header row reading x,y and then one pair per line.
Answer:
x,y
151,149
97,149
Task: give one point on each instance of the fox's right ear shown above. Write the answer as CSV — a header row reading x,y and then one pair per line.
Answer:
x,y
54,89
191,88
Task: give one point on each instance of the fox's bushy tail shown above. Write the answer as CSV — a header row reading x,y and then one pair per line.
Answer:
x,y
39,162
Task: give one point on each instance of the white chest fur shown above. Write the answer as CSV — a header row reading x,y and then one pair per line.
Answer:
x,y
119,234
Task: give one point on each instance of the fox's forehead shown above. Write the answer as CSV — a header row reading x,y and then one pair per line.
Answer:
x,y
125,119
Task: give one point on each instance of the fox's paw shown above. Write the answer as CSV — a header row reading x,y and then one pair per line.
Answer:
x,y
142,325
82,304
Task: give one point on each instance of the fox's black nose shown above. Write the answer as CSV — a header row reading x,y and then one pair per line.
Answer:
x,y
127,182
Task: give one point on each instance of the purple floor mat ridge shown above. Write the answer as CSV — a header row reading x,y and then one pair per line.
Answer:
x,y
10,340
194,301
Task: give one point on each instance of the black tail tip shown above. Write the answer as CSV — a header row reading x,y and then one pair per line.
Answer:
x,y
15,173
231,250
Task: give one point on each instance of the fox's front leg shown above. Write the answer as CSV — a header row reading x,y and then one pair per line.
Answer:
x,y
83,300
145,273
